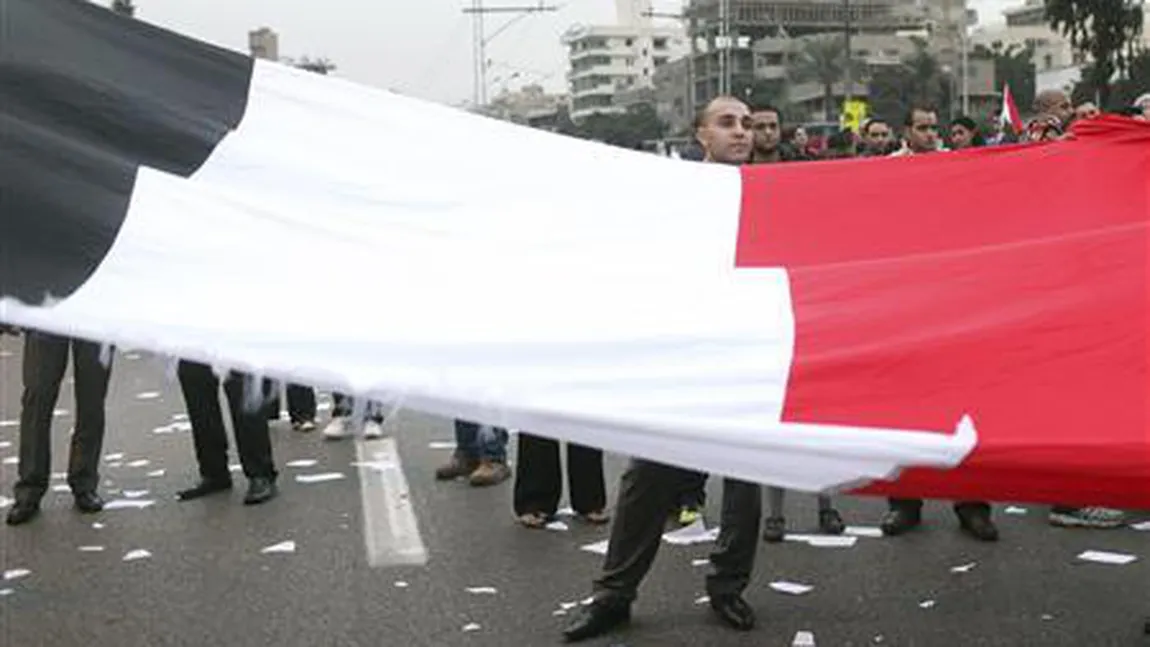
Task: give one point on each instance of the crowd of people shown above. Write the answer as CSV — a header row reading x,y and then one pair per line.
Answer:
x,y
649,495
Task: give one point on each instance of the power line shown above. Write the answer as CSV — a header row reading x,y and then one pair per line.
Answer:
x,y
480,39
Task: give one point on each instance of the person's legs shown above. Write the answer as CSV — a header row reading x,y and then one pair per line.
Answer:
x,y
45,361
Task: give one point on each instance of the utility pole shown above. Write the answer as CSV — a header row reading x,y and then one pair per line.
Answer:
x,y
480,39
849,56
692,53
724,43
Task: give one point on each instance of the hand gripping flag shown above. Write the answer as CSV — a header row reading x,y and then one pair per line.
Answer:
x,y
967,325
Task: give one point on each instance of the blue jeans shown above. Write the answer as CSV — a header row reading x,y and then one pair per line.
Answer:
x,y
476,442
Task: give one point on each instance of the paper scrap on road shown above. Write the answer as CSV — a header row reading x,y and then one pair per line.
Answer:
x,y
1013,509
12,460
60,487
864,531
1047,616
696,533
557,526
179,416
5,444
16,573
599,547
400,584
59,476
1106,557
926,604
803,639
824,541
441,444
60,413
965,568
143,462
116,464
148,395
793,588
9,423
128,504
700,562
704,599
91,549
5,502
565,512
113,457
282,547
482,590
471,626
156,473
6,592
97,525
1144,525
303,462
135,494
235,467
567,606
319,478
133,555
559,612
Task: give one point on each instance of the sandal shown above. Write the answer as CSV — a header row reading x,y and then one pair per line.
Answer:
x,y
596,517
533,520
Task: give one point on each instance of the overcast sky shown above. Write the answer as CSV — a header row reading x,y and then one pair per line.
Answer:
x,y
418,47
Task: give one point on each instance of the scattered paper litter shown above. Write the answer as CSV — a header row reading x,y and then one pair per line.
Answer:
x,y
565,512
235,467
1013,509
116,464
303,462
1047,616
60,413
6,592
282,547
143,462
148,395
9,423
704,599
557,526
135,494
441,444
323,406
864,531
926,604
59,476
1106,557
965,568
156,473
599,547
824,541
1144,525
97,525
60,487
124,504
567,606
176,427
12,460
794,588
700,562
179,416
5,502
696,533
16,573
319,478
471,626
113,457
133,555
803,639
559,612
482,590
400,584
5,444
91,549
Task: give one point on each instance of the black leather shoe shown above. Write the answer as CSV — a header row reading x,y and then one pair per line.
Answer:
x,y
203,488
596,619
260,489
896,522
734,611
23,512
89,502
978,525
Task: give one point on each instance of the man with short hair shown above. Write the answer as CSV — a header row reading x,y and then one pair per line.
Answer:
x,y
1054,103
876,138
920,132
648,491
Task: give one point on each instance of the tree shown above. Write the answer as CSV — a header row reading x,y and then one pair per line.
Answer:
x,y
1013,66
1122,92
318,65
629,129
124,7
917,80
1107,30
823,60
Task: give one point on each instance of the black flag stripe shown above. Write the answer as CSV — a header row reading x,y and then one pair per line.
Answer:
x,y
86,98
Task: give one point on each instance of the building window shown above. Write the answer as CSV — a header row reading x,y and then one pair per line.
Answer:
x,y
629,42
660,43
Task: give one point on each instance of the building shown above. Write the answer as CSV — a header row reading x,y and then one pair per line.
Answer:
x,y
264,43
606,60
530,105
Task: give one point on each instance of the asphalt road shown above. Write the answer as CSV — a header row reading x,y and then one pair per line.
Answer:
x,y
206,581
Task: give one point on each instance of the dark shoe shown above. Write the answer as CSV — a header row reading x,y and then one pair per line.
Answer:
x,y
831,522
457,467
260,489
734,611
978,525
596,619
23,512
204,488
89,502
897,521
774,529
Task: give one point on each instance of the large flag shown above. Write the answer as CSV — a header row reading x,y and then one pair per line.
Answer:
x,y
966,325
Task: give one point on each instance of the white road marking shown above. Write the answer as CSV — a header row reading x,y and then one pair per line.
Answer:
x,y
390,529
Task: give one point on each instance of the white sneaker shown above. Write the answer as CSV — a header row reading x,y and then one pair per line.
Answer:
x,y
373,429
336,429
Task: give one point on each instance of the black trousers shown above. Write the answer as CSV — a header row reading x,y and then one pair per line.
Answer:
x,y
343,406
301,404
201,390
693,493
45,362
539,477
648,492
960,507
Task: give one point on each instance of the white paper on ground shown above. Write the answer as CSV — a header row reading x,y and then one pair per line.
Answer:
x,y
59,413
824,541
803,639
567,606
97,525
482,590
441,444
91,549
704,599
965,568
148,395
565,512
6,592
5,502
135,494
864,531
156,473
5,444
179,416
235,467
700,562
599,547
1013,509
557,526
926,604
1106,557
302,462
471,626
559,612
133,555
282,547
9,423
323,406
696,533
319,478
1144,525
113,457
16,573
11,460
400,584
116,464
125,504
793,588
59,476
143,462
60,487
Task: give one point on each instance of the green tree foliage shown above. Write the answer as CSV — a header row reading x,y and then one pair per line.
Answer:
x,y
630,129
823,61
917,80
1122,92
1013,66
1107,30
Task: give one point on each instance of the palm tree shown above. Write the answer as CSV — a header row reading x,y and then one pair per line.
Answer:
x,y
824,60
925,75
124,7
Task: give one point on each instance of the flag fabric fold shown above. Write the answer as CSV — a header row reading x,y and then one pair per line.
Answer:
x,y
960,325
